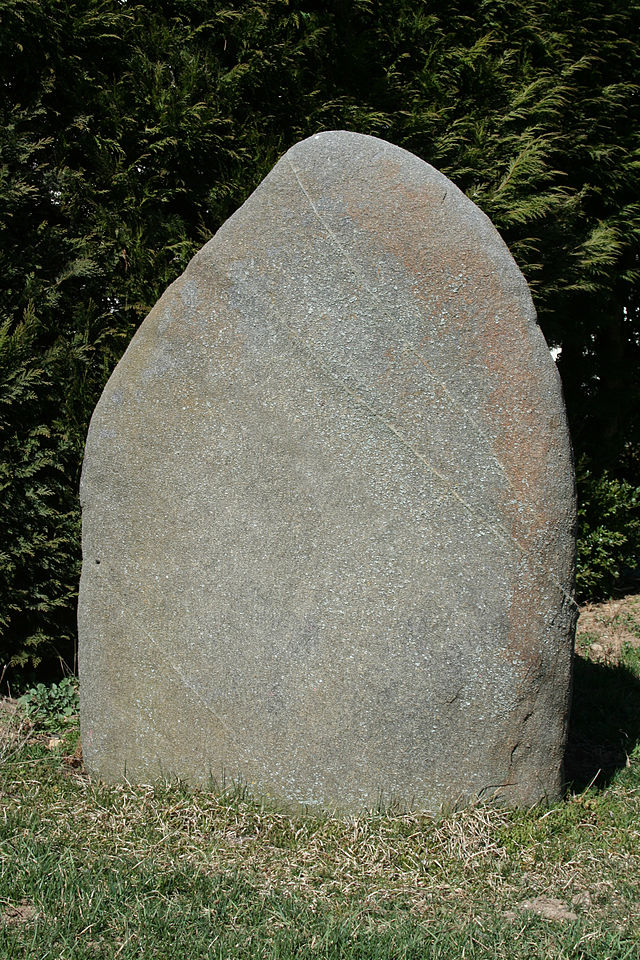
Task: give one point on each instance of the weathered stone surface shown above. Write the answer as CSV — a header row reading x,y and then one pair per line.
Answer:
x,y
328,505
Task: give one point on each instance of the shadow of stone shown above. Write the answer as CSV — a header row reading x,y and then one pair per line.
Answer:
x,y
604,725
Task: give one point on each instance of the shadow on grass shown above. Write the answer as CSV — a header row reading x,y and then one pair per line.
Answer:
x,y
604,726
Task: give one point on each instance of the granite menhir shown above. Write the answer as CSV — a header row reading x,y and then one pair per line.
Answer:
x,y
328,506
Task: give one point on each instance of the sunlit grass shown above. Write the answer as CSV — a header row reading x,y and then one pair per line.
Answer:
x,y
164,871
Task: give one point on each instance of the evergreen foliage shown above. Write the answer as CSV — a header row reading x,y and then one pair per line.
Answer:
x,y
39,513
129,132
608,534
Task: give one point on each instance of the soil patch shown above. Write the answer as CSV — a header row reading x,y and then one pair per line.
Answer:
x,y
604,628
17,914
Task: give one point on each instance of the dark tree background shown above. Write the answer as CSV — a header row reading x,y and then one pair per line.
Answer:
x,y
130,132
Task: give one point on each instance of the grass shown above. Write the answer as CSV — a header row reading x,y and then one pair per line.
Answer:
x,y
163,871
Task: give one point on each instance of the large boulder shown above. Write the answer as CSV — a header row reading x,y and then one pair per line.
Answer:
x,y
328,506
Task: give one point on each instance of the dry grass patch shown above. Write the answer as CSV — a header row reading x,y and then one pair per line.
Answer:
x,y
605,628
130,863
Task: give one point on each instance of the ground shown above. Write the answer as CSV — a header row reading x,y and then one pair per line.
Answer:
x,y
91,871
604,628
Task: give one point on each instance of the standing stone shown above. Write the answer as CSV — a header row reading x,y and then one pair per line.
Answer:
x,y
328,506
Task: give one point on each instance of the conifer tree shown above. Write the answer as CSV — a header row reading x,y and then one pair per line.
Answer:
x,y
131,131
